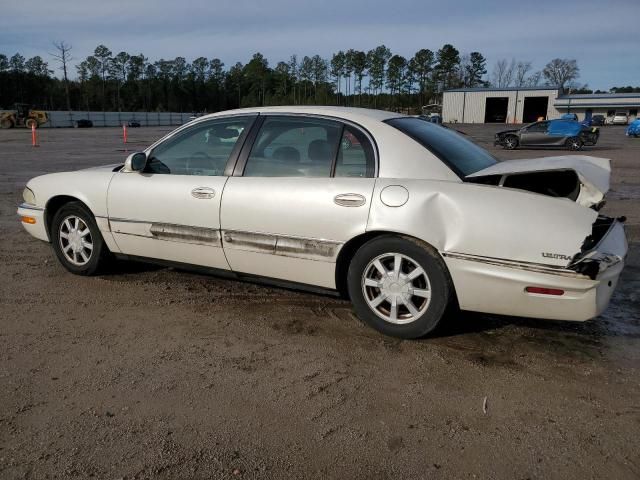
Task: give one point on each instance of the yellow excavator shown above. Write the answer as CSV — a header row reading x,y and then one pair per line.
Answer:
x,y
23,116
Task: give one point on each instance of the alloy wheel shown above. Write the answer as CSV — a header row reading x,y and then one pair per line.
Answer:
x,y
396,288
75,240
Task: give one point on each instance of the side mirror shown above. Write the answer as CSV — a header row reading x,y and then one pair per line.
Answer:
x,y
135,162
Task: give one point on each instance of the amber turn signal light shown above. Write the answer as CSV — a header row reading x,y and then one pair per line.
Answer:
x,y
29,220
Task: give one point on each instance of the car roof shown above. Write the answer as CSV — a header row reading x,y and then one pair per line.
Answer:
x,y
361,116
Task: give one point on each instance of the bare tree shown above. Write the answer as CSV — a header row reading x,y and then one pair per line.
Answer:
x,y
522,68
559,71
534,79
503,71
63,56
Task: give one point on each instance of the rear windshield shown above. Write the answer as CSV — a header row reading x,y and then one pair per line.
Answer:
x,y
461,155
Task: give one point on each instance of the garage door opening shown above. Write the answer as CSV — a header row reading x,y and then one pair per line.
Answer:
x,y
534,108
495,110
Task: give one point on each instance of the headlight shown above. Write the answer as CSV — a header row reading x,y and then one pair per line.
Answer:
x,y
28,196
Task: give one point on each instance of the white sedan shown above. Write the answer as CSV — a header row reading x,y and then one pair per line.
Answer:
x,y
405,217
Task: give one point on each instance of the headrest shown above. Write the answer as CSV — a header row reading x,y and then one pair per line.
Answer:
x,y
286,153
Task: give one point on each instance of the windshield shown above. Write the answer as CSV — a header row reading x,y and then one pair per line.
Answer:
x,y
461,155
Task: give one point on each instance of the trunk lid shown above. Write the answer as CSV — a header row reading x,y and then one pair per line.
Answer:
x,y
581,178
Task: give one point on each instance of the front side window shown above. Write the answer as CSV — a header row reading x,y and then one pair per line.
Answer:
x,y
461,155
538,127
203,149
294,147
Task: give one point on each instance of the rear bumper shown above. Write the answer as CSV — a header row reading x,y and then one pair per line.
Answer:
x,y
499,286
30,213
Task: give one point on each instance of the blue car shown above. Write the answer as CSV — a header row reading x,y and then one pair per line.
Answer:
x,y
549,133
633,130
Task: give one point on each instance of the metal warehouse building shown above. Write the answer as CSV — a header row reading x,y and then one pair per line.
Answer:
x,y
524,105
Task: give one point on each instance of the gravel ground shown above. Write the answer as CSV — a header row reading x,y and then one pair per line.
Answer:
x,y
155,373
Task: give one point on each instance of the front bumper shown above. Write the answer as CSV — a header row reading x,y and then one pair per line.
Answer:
x,y
33,221
498,286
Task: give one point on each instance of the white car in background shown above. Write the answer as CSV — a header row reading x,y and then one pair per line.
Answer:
x,y
407,219
620,118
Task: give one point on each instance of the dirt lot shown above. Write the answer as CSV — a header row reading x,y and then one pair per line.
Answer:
x,y
157,373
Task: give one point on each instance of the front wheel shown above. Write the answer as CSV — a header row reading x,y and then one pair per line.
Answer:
x,y
399,286
30,123
510,142
574,143
77,241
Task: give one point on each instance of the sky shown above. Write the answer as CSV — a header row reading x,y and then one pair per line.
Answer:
x,y
603,35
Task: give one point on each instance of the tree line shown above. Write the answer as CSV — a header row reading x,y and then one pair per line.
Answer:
x,y
131,82
377,78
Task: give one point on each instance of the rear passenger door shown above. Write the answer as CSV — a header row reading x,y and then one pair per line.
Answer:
x,y
302,188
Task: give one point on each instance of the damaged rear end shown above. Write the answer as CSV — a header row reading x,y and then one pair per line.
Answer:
x,y
575,286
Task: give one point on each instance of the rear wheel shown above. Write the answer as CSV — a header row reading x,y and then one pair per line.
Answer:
x,y
574,143
399,286
6,123
77,241
510,142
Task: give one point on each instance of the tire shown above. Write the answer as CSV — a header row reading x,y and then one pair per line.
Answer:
x,y
510,142
71,247
6,123
574,144
30,122
432,287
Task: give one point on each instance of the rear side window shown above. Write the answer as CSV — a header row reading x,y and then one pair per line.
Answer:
x,y
294,147
355,156
461,155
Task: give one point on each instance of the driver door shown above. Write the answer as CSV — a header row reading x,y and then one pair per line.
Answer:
x,y
535,134
171,210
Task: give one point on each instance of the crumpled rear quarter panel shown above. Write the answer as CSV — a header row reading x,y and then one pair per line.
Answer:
x,y
485,220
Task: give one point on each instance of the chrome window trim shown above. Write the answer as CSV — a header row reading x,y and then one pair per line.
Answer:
x,y
194,123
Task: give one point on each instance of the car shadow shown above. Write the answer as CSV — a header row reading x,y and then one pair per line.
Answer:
x,y
126,267
462,323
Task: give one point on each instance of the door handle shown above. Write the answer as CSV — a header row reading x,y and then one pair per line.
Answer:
x,y
349,200
203,192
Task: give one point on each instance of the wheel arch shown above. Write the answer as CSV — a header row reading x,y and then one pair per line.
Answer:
x,y
54,204
349,249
